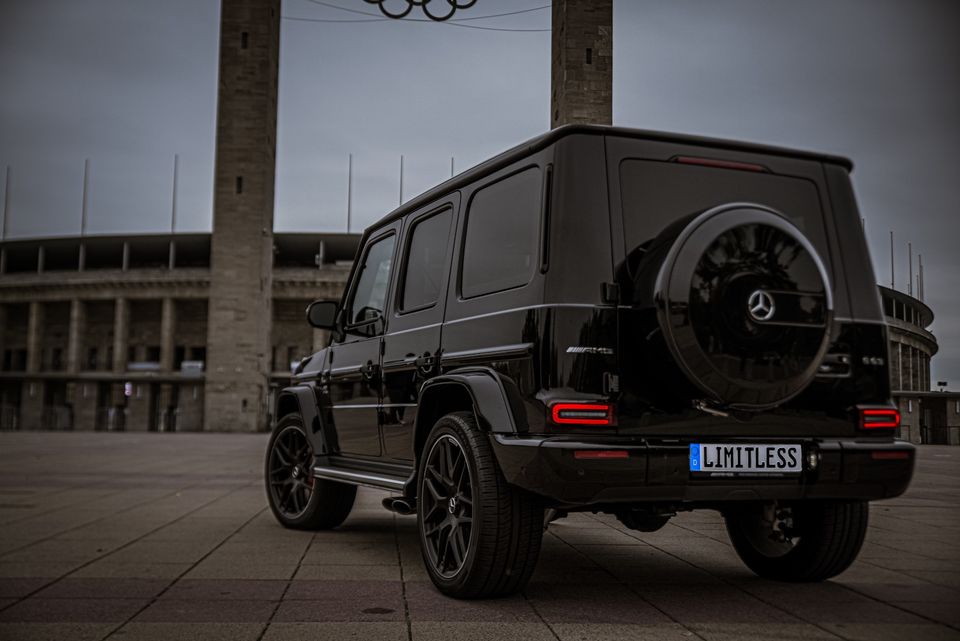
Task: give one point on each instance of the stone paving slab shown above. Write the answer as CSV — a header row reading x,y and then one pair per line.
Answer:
x,y
167,536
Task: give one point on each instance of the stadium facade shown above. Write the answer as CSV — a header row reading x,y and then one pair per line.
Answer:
x,y
113,333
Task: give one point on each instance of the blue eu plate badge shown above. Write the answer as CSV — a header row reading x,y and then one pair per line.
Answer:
x,y
694,457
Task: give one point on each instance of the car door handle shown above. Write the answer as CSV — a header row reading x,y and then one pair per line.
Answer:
x,y
425,363
369,370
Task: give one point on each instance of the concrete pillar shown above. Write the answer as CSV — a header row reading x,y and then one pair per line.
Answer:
x,y
917,370
84,401
190,408
320,339
3,327
121,332
31,405
582,63
241,261
75,336
138,407
35,337
116,412
166,421
167,327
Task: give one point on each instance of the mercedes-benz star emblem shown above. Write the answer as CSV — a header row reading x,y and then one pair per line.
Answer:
x,y
760,305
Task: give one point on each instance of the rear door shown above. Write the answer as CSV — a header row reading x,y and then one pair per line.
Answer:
x,y
656,183
412,342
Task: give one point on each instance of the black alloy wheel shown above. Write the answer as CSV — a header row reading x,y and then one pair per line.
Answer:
x,y
479,536
290,479
447,505
298,499
803,541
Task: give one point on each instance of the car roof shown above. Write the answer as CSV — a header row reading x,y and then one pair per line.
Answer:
x,y
544,140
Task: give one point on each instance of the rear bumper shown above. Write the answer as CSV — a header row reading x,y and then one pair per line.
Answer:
x,y
658,471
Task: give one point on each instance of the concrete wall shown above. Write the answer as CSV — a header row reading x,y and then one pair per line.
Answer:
x,y
85,405
140,407
54,337
190,334
190,407
31,406
13,336
97,335
930,417
144,328
909,419
291,336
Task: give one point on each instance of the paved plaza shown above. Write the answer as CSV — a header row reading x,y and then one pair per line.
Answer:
x,y
168,536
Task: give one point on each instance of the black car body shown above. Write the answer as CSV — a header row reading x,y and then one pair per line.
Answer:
x,y
632,322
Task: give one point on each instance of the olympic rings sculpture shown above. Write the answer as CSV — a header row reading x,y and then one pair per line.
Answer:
x,y
434,9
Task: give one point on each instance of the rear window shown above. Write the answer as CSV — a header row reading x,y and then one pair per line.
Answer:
x,y
502,241
655,194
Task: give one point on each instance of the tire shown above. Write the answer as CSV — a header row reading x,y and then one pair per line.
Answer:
x,y
826,538
480,537
296,498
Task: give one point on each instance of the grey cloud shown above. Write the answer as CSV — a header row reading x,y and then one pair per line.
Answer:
x,y
129,83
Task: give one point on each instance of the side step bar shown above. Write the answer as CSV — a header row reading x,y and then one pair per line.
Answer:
x,y
368,479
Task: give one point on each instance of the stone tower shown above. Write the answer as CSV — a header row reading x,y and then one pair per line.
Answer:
x,y
582,62
241,255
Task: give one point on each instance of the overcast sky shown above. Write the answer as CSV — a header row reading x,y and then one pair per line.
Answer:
x,y
130,83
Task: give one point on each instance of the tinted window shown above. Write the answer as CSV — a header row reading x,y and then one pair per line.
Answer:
x,y
503,225
656,194
371,290
426,260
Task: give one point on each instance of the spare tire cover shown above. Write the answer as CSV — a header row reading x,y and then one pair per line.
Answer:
x,y
745,306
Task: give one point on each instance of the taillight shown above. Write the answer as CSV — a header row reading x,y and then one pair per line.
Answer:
x,y
879,418
722,164
581,414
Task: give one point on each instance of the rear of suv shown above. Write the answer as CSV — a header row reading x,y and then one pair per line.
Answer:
x,y
610,320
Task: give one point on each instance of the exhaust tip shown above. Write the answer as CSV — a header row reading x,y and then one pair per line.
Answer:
x,y
400,505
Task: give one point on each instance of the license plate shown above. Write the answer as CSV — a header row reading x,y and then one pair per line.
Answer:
x,y
724,459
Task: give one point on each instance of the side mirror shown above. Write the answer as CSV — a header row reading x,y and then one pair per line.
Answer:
x,y
322,314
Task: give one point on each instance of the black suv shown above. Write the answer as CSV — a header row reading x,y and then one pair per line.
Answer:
x,y
610,320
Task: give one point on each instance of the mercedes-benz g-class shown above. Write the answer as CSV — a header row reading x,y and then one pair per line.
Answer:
x,y
613,320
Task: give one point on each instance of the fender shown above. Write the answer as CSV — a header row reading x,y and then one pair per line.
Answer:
x,y
497,403
303,399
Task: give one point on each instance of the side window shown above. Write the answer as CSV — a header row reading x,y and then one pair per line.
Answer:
x,y
367,302
426,261
503,232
